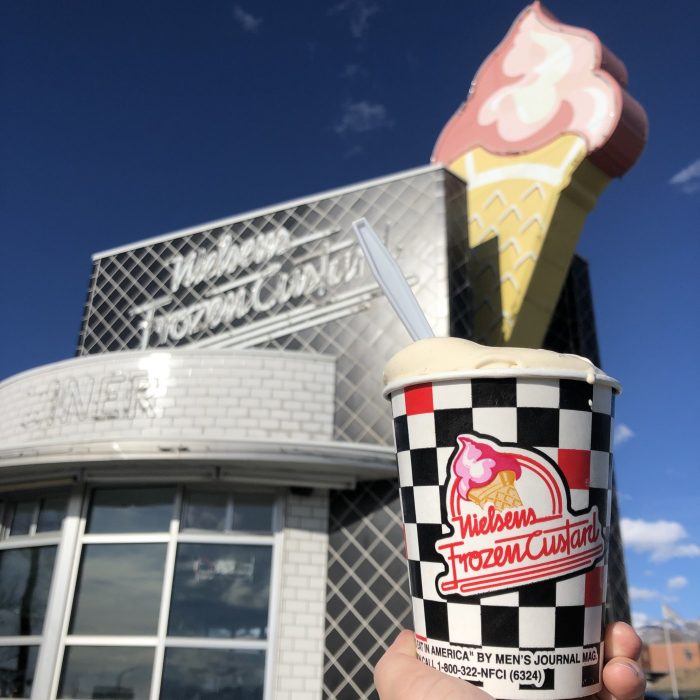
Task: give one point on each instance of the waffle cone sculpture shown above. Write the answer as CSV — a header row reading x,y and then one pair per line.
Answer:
x,y
546,125
501,492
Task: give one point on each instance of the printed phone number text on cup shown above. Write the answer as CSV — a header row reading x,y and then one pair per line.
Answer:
x,y
472,673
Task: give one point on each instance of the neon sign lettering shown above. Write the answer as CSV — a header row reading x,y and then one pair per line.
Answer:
x,y
279,272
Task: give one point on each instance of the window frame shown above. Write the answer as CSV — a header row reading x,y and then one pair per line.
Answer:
x,y
160,642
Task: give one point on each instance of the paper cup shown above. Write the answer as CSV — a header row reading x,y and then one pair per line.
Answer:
x,y
505,486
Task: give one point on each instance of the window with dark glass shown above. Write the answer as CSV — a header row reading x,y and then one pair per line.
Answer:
x,y
17,666
130,510
213,673
119,589
206,509
25,577
29,539
52,510
221,591
30,515
106,672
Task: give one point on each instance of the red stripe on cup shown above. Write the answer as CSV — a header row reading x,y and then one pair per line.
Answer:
x,y
419,399
576,465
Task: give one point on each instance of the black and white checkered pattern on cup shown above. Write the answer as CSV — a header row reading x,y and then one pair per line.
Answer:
x,y
551,621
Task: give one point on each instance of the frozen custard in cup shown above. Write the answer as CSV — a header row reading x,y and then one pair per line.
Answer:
x,y
504,461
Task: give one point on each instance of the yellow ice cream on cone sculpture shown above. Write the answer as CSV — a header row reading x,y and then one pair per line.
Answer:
x,y
547,124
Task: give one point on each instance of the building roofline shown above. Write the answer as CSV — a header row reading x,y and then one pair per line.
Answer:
x,y
268,210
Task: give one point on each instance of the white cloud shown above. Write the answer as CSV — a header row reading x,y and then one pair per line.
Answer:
x,y
640,619
677,582
688,179
623,433
362,116
661,539
248,22
358,13
643,593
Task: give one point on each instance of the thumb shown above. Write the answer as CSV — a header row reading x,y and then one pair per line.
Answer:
x,y
398,661
404,644
399,675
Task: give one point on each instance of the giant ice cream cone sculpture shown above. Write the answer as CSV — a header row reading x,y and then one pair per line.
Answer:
x,y
547,124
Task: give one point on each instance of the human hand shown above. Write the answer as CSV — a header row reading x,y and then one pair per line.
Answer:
x,y
399,675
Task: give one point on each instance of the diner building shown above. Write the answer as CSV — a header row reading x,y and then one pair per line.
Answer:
x,y
202,503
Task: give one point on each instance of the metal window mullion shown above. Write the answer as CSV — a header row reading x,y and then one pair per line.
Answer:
x,y
275,597
228,520
59,600
4,529
228,538
26,542
128,538
166,594
9,517
20,640
70,596
209,643
35,518
111,640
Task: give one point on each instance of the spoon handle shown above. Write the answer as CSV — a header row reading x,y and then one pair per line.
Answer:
x,y
391,280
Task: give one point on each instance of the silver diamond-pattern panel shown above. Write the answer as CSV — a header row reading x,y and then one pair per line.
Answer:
x,y
573,329
367,599
618,605
420,216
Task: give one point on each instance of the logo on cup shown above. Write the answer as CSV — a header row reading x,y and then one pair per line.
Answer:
x,y
511,521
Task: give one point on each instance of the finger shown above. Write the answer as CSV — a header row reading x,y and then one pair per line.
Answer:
x,y
400,675
622,640
397,664
405,643
623,679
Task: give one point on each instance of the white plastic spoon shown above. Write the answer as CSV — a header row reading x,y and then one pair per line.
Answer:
x,y
391,280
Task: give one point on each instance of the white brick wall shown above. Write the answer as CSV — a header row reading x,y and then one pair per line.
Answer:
x,y
174,395
300,632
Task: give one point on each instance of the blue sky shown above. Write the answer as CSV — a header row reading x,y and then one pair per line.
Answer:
x,y
122,120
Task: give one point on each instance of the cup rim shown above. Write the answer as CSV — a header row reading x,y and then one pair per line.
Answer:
x,y
503,373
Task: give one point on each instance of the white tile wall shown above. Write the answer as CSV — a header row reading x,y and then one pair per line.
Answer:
x,y
300,634
174,395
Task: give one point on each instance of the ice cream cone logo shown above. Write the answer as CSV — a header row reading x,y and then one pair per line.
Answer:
x,y
511,521
547,123
486,477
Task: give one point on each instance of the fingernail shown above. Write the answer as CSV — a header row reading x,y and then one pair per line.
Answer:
x,y
632,667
